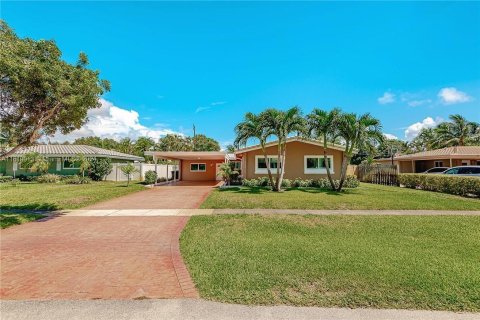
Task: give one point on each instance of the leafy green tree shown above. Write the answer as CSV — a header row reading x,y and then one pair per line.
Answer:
x,y
174,142
40,94
230,148
322,125
35,162
253,128
359,133
424,141
144,144
129,170
388,148
282,124
83,163
99,168
203,143
126,145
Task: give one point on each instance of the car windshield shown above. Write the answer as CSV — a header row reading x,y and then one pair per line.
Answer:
x,y
436,170
452,171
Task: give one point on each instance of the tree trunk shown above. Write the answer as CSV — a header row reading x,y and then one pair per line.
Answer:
x,y
279,155
282,168
9,152
327,166
267,164
346,161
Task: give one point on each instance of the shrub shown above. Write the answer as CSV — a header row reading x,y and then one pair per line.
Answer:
x,y
99,168
323,183
77,180
459,185
150,177
161,179
26,178
350,182
14,182
4,179
49,178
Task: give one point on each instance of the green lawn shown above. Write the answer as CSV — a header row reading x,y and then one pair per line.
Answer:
x,y
45,196
418,262
367,196
10,219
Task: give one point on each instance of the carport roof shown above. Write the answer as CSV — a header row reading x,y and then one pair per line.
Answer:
x,y
187,155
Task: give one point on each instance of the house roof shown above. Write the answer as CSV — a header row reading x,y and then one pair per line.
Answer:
x,y
449,152
187,155
293,139
69,150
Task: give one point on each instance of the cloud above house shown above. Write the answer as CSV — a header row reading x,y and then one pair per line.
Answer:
x,y
213,104
387,98
389,136
452,95
110,121
418,103
414,129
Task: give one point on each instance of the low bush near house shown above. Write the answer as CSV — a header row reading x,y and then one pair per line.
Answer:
x,y
77,180
350,182
25,178
4,179
161,179
150,177
99,168
458,185
49,178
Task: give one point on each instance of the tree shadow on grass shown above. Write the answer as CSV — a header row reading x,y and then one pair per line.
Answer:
x,y
243,190
12,219
46,206
324,191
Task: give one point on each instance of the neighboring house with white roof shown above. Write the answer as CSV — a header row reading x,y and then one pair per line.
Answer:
x,y
60,158
445,157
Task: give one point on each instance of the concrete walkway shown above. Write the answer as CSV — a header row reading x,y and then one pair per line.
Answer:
x,y
186,309
194,212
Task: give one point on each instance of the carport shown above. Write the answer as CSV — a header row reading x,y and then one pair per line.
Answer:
x,y
193,165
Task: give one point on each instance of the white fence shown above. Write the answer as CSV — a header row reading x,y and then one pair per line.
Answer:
x,y
161,169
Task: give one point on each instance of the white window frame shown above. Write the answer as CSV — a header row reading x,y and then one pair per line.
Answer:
x,y
438,163
319,170
264,170
69,168
198,163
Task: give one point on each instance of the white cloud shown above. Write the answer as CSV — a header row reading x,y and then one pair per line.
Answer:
x,y
414,129
200,109
390,136
218,103
387,97
453,95
417,103
110,121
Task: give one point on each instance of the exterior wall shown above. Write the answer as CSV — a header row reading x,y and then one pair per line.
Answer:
x,y
423,165
294,167
208,175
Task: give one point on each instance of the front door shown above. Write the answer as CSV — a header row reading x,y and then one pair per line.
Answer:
x,y
217,171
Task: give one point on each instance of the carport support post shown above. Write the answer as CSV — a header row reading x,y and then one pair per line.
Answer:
x,y
451,164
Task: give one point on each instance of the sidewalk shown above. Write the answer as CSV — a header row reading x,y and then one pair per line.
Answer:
x,y
195,212
186,309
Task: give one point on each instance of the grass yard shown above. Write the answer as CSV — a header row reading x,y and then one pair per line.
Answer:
x,y
367,196
418,262
10,219
56,196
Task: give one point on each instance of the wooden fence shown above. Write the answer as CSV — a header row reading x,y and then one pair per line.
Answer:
x,y
378,174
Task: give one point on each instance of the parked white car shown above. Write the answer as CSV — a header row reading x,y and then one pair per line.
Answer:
x,y
473,171
436,170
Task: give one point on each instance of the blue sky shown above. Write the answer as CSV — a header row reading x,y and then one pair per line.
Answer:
x,y
174,64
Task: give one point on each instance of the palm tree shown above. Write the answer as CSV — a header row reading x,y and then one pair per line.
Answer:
x,y
361,132
83,163
426,140
322,125
227,172
35,162
458,132
253,127
282,124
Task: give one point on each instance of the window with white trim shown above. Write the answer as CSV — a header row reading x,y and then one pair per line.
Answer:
x,y
198,167
314,164
261,165
69,164
438,163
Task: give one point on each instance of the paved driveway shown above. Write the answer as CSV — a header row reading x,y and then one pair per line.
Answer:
x,y
94,257
181,195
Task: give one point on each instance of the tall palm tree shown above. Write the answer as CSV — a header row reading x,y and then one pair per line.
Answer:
x,y
253,127
282,124
322,125
458,132
358,132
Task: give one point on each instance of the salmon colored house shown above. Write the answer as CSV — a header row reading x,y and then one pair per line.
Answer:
x,y
304,159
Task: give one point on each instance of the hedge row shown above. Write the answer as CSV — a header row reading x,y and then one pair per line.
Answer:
x,y
459,185
4,179
350,182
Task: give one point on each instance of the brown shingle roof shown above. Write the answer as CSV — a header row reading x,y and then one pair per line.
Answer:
x,y
69,150
449,152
